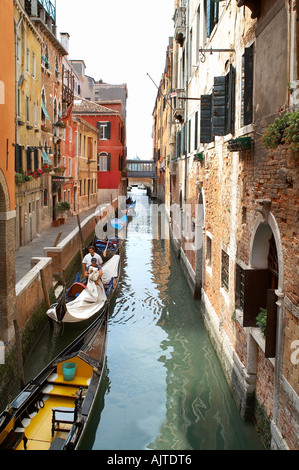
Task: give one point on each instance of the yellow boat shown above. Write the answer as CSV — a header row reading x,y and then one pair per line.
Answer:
x,y
52,411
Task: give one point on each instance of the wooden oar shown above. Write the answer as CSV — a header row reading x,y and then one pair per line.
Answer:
x,y
104,254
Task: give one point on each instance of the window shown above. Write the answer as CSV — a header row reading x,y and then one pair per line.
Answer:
x,y
209,252
104,162
28,60
239,289
218,109
212,15
19,50
33,64
35,113
247,87
104,130
70,134
225,270
27,109
70,167
76,143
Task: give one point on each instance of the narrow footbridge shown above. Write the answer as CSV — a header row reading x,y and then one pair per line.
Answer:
x,y
141,169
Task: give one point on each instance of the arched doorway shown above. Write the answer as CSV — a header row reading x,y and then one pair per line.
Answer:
x,y
264,280
199,243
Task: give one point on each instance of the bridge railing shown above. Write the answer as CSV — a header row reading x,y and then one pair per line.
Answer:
x,y
141,168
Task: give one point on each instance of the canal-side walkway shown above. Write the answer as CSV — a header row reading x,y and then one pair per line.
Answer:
x,y
46,238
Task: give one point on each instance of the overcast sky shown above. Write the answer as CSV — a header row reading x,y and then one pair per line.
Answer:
x,y
120,42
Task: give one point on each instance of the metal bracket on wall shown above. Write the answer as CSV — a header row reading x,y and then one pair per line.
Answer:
x,y
211,50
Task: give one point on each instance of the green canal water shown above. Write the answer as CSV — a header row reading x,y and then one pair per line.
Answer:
x,y
163,386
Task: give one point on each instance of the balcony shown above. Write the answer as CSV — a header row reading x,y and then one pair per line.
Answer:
x,y
180,25
179,104
253,5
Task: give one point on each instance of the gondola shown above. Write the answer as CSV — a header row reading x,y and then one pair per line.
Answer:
x,y
52,411
84,301
106,248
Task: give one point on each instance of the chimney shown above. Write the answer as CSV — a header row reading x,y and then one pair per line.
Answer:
x,y
65,41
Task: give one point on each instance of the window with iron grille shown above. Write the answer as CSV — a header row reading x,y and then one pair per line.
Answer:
x,y
224,270
239,288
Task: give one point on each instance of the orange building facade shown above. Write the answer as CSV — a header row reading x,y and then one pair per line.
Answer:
x,y
7,171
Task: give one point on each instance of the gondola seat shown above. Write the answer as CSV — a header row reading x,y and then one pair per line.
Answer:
x,y
63,415
13,439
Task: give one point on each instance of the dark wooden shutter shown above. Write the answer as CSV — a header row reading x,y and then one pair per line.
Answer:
x,y
248,85
108,130
219,106
109,162
255,294
196,131
178,144
36,162
270,345
18,158
206,119
230,103
183,132
28,156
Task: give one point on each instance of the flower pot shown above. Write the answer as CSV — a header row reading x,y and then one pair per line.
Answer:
x,y
62,220
56,223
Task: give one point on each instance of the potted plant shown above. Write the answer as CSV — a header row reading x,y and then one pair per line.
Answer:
x,y
261,320
284,130
61,208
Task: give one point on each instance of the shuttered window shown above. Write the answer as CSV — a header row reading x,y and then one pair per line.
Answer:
x,y
225,270
223,113
18,158
183,143
104,130
28,157
212,15
247,87
36,159
178,144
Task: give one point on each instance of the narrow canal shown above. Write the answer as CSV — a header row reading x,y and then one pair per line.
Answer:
x,y
163,387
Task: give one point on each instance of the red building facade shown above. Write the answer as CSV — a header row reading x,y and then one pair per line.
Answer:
x,y
111,147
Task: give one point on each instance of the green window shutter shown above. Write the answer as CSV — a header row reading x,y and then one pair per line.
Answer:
x,y
178,144
189,136
196,131
219,106
212,15
248,85
206,119
223,115
230,104
183,131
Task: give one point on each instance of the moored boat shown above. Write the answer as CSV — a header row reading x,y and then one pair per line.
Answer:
x,y
52,411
